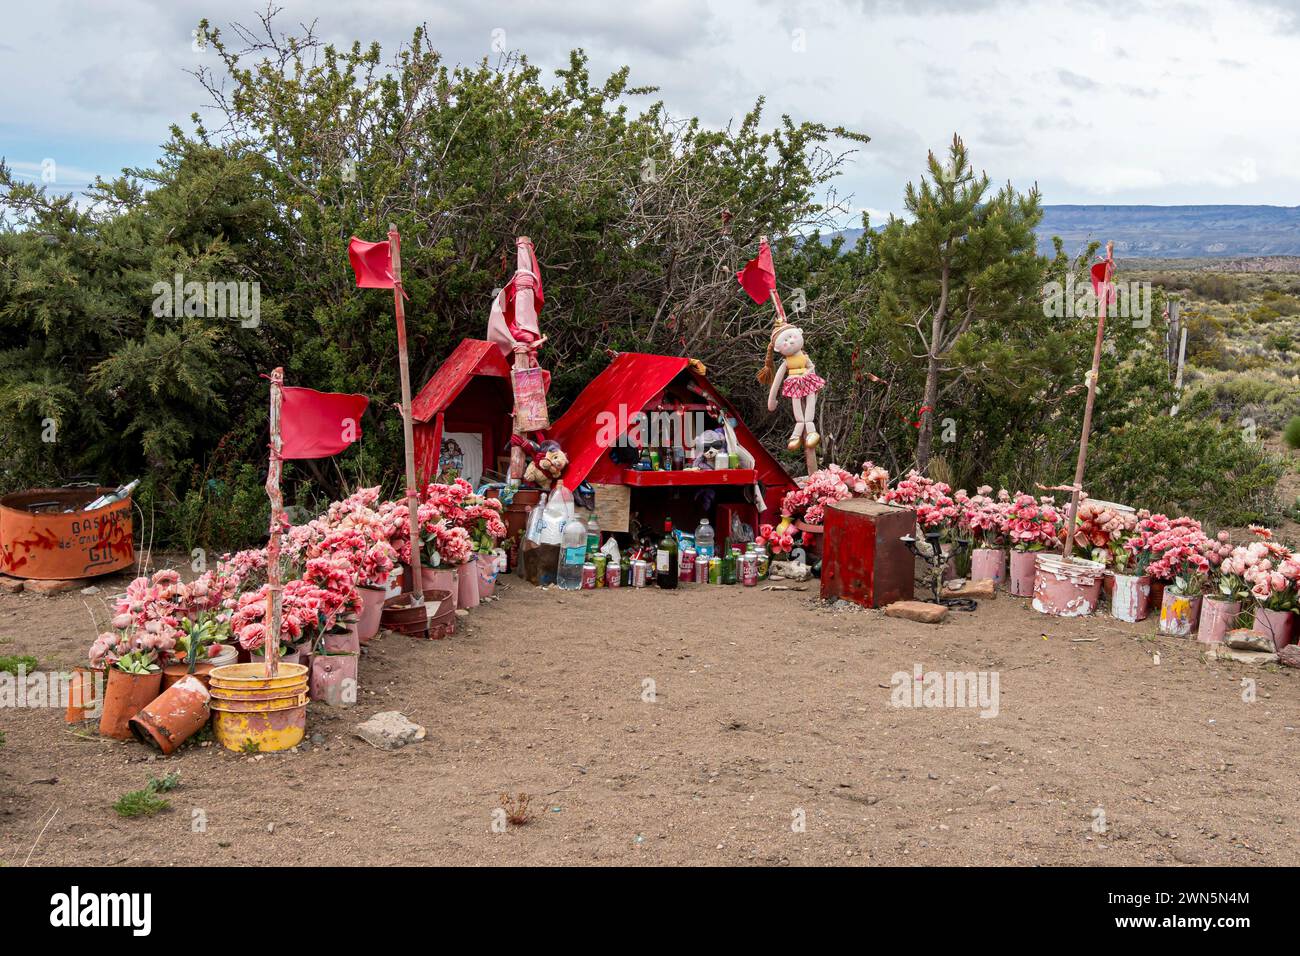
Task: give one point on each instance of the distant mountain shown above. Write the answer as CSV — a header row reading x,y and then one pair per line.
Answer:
x,y
1170,232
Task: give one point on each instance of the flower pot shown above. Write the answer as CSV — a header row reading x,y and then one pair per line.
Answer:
x,y
989,564
174,671
1130,598
1158,592
174,716
1066,587
1179,613
124,697
334,679
1218,617
487,573
467,584
1022,573
372,606
1279,625
85,692
440,579
342,639
253,712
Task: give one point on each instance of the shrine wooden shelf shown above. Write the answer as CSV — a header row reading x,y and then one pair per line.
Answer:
x,y
679,479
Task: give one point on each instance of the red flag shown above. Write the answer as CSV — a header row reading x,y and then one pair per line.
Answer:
x,y
1101,274
318,424
758,278
372,262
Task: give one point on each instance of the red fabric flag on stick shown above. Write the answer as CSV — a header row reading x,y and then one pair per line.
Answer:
x,y
758,278
372,262
319,424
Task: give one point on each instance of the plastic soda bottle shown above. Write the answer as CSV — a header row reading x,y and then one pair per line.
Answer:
x,y
573,554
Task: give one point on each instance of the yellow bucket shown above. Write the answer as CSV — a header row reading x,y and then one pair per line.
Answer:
x,y
253,712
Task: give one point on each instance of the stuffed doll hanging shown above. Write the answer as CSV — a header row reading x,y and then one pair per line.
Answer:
x,y
796,379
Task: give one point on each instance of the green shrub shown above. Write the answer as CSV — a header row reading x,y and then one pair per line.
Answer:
x,y
1292,433
12,663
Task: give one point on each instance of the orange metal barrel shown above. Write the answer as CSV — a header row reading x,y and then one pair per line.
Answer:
x,y
39,540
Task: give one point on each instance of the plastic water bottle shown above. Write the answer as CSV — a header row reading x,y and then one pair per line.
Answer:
x,y
573,554
704,541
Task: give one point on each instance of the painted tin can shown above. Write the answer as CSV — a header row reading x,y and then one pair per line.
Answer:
x,y
41,539
1179,613
686,567
1130,599
1066,587
588,576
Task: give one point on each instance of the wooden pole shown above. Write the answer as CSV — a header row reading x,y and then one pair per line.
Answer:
x,y
408,436
1102,301
522,360
274,596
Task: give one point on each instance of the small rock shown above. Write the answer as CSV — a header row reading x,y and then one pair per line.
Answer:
x,y
790,570
1289,655
461,612
389,730
90,590
11,585
1244,639
920,611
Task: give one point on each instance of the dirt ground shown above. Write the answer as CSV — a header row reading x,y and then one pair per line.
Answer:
x,y
768,708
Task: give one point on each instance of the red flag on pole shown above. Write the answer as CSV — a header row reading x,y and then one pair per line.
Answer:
x,y
372,262
758,278
319,424
1101,275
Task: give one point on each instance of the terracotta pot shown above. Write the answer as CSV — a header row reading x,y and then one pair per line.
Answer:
x,y
467,584
174,716
125,695
1066,587
1218,617
342,639
1022,573
1179,613
989,564
487,574
85,693
1279,625
372,606
334,679
441,579
1130,597
175,670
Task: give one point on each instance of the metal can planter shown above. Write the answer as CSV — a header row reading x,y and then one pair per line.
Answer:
x,y
1066,587
1218,617
253,712
1130,599
467,585
1022,573
1279,625
441,579
174,716
1179,613
334,679
372,608
342,639
487,574
989,564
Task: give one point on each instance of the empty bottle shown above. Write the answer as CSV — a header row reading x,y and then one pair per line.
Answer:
x,y
573,554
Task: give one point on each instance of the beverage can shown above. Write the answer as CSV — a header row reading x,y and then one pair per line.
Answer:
x,y
715,570
749,570
686,569
613,576
588,576
733,460
638,573
602,561
701,570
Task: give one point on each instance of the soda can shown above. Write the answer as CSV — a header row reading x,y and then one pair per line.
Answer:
x,y
761,555
733,460
701,570
749,570
715,570
613,576
686,567
638,573
588,576
602,561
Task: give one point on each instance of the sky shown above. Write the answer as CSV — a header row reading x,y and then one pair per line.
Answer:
x,y
1150,101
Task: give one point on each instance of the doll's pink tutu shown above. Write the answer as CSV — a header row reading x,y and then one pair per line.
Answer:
x,y
801,386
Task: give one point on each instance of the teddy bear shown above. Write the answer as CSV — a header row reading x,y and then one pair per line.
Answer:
x,y
546,461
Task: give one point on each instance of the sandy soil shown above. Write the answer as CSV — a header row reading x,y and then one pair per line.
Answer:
x,y
766,704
